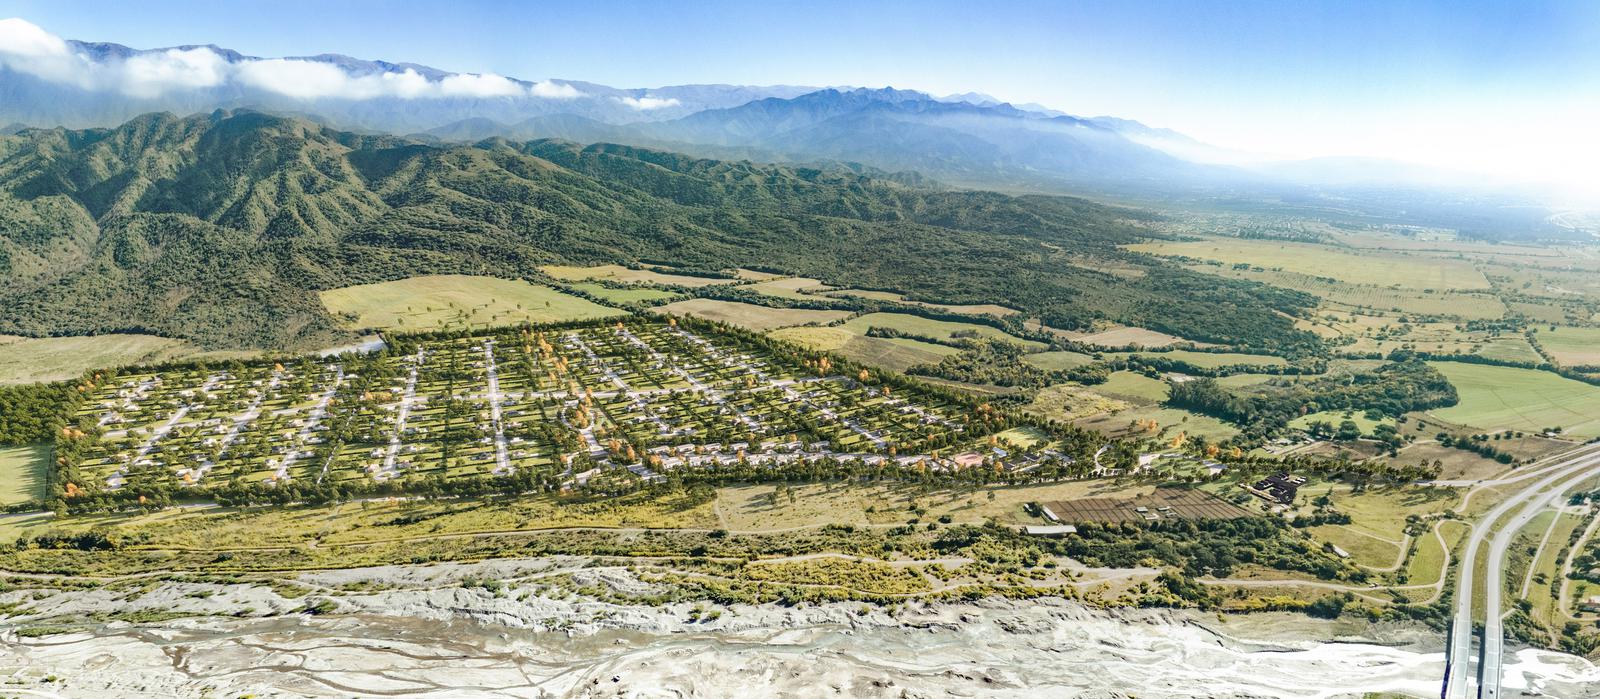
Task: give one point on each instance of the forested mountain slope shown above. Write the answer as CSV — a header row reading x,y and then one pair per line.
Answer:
x,y
221,227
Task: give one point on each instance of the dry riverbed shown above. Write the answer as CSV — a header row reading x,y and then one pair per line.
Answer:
x,y
427,631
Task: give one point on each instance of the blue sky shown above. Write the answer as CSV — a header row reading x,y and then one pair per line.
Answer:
x,y
1501,87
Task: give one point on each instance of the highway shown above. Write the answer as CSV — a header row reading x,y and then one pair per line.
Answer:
x,y
1526,503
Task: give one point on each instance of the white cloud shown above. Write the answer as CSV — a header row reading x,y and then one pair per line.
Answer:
x,y
550,89
26,48
647,102
151,74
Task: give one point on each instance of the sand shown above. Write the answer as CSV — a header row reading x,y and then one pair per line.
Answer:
x,y
425,635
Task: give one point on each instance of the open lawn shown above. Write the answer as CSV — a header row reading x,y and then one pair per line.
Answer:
x,y
750,316
27,360
451,300
1505,398
1414,271
22,473
937,329
618,273
896,354
1571,346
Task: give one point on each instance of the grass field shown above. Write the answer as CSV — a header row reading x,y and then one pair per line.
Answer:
x,y
1210,360
789,287
1068,402
976,309
1124,337
1416,271
750,316
22,472
1241,380
896,354
1571,346
1334,417
1058,361
1470,305
26,360
1126,384
626,295
618,273
1170,421
450,300
1504,398
938,329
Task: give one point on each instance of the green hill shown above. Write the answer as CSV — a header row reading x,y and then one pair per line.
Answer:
x,y
222,228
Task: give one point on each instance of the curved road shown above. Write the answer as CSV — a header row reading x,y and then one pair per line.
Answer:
x,y
1575,467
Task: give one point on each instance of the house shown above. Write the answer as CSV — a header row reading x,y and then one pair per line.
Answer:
x,y
1280,488
1589,604
1053,531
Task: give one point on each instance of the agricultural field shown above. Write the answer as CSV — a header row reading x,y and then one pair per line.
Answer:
x,y
789,287
893,353
625,294
1138,387
27,360
1125,337
943,330
1371,298
750,316
625,275
1412,271
975,309
1570,346
1528,400
560,406
1209,360
451,300
1058,361
23,471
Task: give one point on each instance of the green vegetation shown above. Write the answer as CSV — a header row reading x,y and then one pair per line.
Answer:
x,y
895,354
222,228
1570,346
1529,400
750,316
624,294
1392,390
440,301
1383,269
26,360
23,472
918,327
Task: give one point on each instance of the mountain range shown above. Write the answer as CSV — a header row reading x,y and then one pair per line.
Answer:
x,y
220,228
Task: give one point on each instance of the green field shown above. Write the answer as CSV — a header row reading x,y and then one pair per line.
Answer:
x,y
625,294
451,300
1414,271
1126,384
1209,360
937,329
26,360
22,473
749,315
1505,398
897,354
1571,346
618,273
1058,361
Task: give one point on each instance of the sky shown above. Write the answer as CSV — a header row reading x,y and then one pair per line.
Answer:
x,y
1507,89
